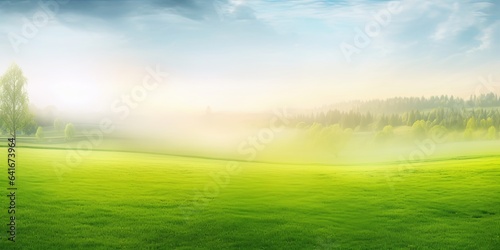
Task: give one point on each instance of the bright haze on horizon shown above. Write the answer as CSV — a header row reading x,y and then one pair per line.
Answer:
x,y
248,55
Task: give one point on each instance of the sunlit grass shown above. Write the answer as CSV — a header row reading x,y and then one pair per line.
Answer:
x,y
119,200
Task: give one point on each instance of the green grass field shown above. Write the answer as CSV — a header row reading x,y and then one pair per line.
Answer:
x,y
119,200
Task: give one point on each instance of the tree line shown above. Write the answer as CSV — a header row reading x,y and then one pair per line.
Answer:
x,y
479,112
404,104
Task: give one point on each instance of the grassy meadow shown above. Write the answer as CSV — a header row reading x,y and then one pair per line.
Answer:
x,y
117,200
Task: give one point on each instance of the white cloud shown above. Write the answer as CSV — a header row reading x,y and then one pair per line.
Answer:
x,y
485,38
462,17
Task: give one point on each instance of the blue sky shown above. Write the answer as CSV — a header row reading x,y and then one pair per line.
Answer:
x,y
249,54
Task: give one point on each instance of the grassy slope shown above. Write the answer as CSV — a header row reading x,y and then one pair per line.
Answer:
x,y
138,201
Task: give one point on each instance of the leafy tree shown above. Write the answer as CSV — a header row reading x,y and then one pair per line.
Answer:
x,y
411,118
69,131
471,124
15,114
39,133
489,122
483,123
384,135
58,124
388,130
492,133
382,122
30,128
419,129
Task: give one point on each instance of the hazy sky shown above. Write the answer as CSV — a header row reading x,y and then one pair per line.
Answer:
x,y
249,55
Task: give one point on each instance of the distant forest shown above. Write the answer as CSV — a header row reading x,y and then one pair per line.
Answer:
x,y
452,113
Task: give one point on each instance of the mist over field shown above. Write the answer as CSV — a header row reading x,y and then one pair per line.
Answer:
x,y
427,129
